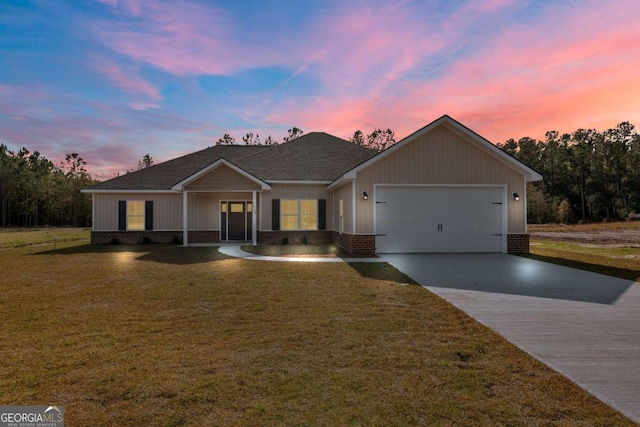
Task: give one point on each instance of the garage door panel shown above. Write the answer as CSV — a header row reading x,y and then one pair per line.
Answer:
x,y
439,219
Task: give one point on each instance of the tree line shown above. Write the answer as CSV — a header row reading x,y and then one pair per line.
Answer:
x,y
377,140
35,191
588,175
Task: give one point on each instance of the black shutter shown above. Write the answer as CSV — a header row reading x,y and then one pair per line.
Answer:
x,y
148,215
275,214
322,214
122,215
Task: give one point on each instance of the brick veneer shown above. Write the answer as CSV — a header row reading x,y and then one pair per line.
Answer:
x,y
295,237
135,237
361,244
518,243
202,236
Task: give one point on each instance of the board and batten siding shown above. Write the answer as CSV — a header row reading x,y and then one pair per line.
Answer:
x,y
167,210
222,178
293,191
440,157
344,193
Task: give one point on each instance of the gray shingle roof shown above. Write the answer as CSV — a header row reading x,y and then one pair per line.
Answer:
x,y
316,156
164,175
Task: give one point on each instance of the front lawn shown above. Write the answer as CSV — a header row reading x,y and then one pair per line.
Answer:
x,y
162,335
15,237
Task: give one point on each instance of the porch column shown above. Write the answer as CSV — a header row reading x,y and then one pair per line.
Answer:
x,y
254,219
185,232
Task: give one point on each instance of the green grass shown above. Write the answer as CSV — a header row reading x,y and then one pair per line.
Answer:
x,y
16,237
161,335
623,262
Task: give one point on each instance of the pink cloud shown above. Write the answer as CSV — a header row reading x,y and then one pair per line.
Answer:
x,y
570,68
109,138
130,83
183,38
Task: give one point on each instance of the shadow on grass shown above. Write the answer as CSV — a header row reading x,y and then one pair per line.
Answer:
x,y
166,254
381,271
622,273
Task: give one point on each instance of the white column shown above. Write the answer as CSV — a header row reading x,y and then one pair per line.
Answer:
x,y
185,233
254,219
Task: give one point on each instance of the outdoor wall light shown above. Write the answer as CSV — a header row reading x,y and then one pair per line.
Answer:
x,y
516,196
365,196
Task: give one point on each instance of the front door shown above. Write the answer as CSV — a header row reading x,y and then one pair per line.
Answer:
x,y
236,221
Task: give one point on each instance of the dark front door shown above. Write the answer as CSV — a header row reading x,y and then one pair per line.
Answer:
x,y
237,225
236,221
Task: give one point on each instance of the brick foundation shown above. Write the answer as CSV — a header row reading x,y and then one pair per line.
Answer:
x,y
134,237
202,236
518,243
294,237
360,244
137,237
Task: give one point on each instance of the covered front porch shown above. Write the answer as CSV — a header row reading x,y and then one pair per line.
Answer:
x,y
213,217
220,203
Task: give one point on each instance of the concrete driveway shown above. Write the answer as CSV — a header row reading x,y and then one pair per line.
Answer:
x,y
584,325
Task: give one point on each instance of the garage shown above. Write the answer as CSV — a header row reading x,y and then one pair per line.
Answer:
x,y
414,219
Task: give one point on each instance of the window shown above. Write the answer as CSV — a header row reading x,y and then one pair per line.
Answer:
x,y
298,214
289,214
236,207
135,215
341,218
308,214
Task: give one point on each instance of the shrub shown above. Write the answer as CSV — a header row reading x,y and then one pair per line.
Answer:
x,y
176,240
114,241
304,240
285,240
565,212
146,240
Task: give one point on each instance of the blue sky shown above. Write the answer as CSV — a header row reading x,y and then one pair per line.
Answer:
x,y
113,80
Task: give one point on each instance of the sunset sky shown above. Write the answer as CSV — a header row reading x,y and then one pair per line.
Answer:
x,y
115,79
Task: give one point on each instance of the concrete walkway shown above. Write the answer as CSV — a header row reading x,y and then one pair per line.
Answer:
x,y
236,252
584,325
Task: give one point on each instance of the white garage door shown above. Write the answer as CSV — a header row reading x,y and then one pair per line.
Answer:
x,y
440,219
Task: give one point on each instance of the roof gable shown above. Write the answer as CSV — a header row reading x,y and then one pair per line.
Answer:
x,y
467,134
242,179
